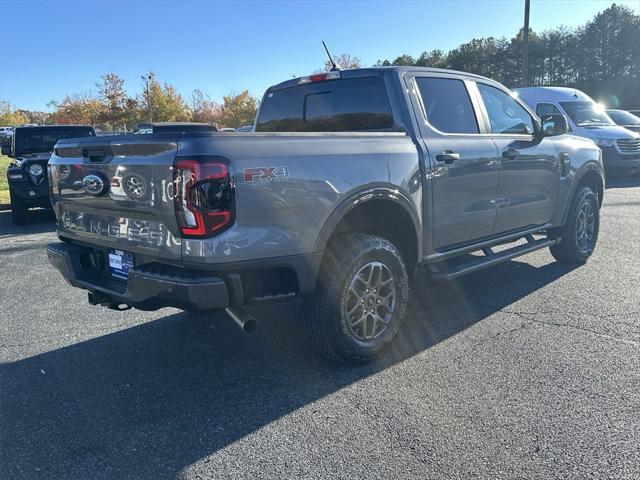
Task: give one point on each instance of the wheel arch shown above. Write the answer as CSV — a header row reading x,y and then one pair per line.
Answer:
x,y
383,211
591,175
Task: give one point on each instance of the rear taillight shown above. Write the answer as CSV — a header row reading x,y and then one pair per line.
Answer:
x,y
204,196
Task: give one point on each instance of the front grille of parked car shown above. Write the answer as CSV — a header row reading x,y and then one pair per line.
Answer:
x,y
629,145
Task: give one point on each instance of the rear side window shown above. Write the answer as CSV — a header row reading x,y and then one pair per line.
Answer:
x,y
547,109
357,104
505,114
447,105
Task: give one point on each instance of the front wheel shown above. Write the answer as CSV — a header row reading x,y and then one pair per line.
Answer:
x,y
580,232
361,298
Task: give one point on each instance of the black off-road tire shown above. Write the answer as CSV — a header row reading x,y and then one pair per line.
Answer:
x,y
19,211
569,250
325,311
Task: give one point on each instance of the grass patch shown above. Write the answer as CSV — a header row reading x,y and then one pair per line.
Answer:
x,y
4,184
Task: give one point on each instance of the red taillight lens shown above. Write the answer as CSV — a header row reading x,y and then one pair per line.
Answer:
x,y
320,77
204,196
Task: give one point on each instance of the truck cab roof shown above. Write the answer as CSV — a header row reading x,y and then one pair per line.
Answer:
x,y
371,71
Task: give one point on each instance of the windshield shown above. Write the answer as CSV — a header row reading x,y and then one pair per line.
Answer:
x,y
586,114
623,118
35,140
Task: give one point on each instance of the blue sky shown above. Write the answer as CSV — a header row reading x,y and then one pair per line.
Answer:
x,y
52,48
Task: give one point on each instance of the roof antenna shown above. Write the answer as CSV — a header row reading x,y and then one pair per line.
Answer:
x,y
334,67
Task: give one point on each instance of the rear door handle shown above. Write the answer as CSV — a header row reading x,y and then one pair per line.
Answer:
x,y
511,153
448,157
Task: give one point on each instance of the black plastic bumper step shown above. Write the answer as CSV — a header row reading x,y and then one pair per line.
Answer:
x,y
490,258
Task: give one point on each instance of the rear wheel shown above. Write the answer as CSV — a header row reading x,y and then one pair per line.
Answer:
x,y
19,211
361,298
580,232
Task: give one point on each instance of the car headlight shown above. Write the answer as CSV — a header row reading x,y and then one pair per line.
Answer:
x,y
604,142
36,170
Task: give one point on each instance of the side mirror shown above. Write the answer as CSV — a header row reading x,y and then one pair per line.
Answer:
x,y
554,125
6,150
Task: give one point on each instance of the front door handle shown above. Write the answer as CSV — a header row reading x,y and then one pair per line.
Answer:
x,y
448,157
510,153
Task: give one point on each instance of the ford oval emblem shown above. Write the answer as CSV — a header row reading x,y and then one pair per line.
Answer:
x,y
94,185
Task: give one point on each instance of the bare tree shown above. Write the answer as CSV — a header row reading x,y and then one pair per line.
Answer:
x,y
344,61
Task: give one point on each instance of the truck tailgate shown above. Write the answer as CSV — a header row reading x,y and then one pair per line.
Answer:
x,y
117,192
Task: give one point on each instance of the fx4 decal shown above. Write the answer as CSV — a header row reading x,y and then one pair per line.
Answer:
x,y
266,174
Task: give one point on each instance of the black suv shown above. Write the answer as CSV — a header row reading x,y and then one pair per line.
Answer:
x,y
31,148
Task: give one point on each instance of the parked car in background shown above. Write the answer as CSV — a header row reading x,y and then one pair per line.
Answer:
x,y
6,131
227,129
31,148
352,180
625,119
586,118
245,128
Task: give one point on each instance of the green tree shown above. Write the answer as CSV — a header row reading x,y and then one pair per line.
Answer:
x,y
164,102
11,117
601,58
434,59
238,109
404,60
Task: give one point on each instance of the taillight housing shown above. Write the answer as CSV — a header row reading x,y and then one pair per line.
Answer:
x,y
204,195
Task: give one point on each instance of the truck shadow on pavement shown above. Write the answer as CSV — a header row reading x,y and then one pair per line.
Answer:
x,y
149,401
40,221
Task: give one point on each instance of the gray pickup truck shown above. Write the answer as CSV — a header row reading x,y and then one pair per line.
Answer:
x,y
350,181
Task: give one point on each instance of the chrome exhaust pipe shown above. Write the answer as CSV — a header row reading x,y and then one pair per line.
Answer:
x,y
241,317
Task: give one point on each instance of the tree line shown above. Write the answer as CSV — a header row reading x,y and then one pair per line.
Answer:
x,y
112,109
601,58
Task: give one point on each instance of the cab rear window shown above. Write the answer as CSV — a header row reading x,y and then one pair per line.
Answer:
x,y
357,104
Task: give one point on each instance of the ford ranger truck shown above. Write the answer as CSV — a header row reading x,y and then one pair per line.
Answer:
x,y
31,148
350,182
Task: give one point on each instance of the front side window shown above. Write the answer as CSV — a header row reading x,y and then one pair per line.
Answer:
x,y
547,109
348,105
447,105
505,114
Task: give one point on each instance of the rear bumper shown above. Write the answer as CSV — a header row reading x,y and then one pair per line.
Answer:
x,y
153,285
148,287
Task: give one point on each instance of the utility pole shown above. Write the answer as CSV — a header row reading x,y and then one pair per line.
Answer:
x,y
525,45
147,79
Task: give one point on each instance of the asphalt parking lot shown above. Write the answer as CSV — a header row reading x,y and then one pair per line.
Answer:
x,y
527,370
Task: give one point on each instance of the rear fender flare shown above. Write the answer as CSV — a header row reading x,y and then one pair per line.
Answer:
x,y
355,200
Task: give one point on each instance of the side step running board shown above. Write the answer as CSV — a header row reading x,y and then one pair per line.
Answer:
x,y
491,258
